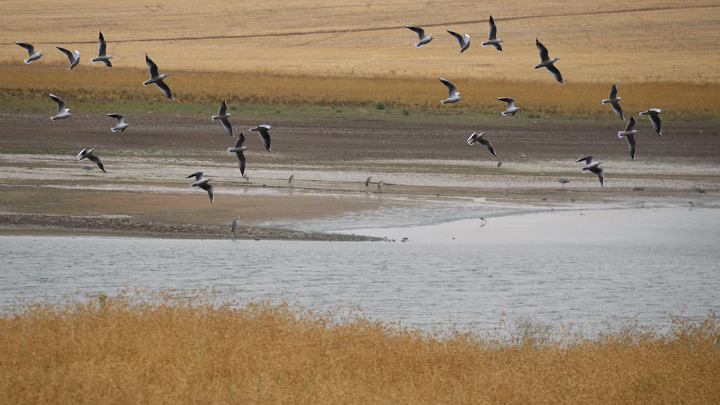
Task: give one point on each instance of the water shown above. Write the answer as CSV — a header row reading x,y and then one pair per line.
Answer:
x,y
589,268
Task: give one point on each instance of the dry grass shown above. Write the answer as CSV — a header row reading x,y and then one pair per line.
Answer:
x,y
34,83
170,350
607,41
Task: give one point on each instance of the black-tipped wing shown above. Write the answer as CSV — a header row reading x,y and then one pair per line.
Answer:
x,y
492,31
457,36
209,188
656,123
484,142
197,175
70,55
613,91
226,124
618,110
152,67
165,89
223,108
498,47
543,51
631,145
451,87
588,159
96,160
241,161
510,101
417,30
60,103
106,63
30,48
240,140
630,124
265,136
601,174
555,72
101,45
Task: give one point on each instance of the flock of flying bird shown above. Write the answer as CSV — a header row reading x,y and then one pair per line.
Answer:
x,y
453,97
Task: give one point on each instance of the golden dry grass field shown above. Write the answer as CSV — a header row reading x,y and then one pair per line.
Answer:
x,y
662,54
165,350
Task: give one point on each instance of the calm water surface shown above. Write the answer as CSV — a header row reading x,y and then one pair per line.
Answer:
x,y
588,268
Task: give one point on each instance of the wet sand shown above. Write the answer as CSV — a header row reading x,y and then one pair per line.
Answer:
x,y
330,160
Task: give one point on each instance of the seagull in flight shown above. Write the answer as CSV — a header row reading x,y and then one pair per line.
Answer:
x,y
202,182
62,111
102,57
262,130
223,116
463,41
421,35
453,95
478,138
74,58
653,114
32,55
157,78
88,154
121,125
628,134
511,109
614,101
238,151
546,62
492,36
591,166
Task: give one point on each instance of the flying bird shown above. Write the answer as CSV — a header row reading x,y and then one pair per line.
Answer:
x,y
202,182
628,134
238,151
102,57
463,41
653,114
511,109
492,36
74,58
614,101
591,166
88,154
546,62
32,55
478,138
421,35
264,135
223,116
157,78
62,111
121,125
453,95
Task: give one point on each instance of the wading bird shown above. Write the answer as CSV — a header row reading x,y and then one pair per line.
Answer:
x,y
234,225
546,62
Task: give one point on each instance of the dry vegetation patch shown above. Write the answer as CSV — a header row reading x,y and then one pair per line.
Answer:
x,y
179,348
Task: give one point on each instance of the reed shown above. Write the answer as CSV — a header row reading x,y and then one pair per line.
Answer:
x,y
180,348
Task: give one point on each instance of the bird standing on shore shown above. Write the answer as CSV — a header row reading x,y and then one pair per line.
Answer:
x,y
262,130
157,78
367,182
32,55
511,109
614,100
223,116
292,176
102,56
238,151
88,154
453,95
546,62
463,41
421,35
478,138
234,225
202,182
653,115
591,166
121,125
74,58
628,134
62,111
492,36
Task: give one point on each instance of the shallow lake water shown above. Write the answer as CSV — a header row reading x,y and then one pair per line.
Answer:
x,y
591,268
